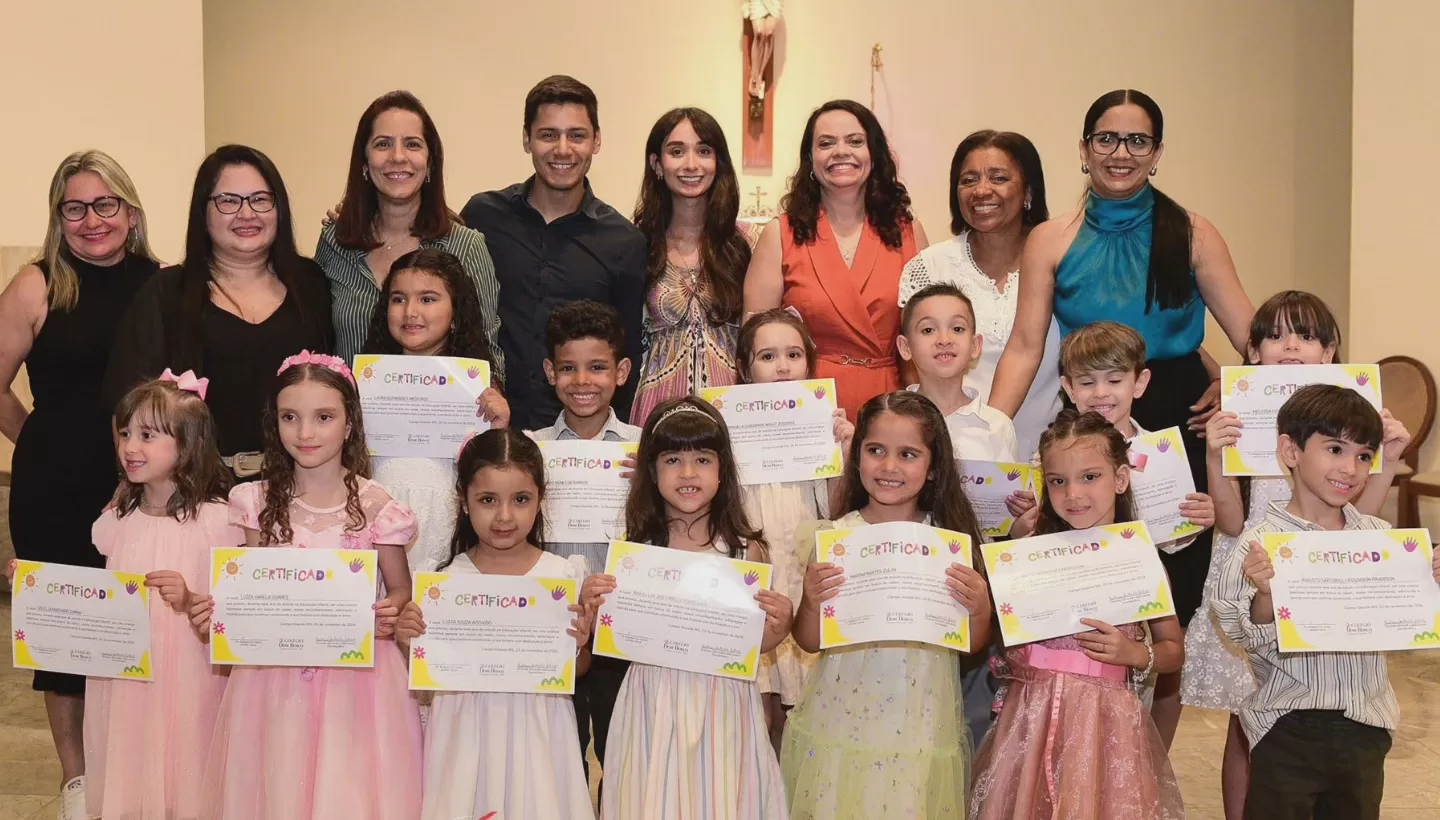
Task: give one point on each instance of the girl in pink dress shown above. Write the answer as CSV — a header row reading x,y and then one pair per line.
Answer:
x,y
145,741
310,743
1073,741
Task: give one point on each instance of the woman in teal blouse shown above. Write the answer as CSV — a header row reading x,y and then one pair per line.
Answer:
x,y
1133,255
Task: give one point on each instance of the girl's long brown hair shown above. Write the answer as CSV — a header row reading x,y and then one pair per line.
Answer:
x,y
279,471
724,253
199,475
1069,425
699,429
943,495
501,449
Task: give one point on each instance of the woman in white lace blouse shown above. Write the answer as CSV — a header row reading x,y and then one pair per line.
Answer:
x,y
997,194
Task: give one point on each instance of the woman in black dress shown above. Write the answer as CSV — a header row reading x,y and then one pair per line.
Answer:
x,y
61,315
242,301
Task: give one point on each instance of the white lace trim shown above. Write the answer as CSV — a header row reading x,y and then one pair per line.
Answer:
x,y
952,263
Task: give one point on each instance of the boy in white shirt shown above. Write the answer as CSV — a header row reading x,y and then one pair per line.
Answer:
x,y
937,334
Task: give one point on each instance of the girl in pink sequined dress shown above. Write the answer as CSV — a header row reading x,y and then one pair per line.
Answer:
x,y
145,741
306,743
1073,741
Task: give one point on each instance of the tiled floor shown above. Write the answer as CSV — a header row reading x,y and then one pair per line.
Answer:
x,y
30,775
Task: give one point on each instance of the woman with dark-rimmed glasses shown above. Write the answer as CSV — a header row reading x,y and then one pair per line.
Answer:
x,y
243,300
1133,255
61,316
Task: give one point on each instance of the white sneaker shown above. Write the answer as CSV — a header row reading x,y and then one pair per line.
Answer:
x,y
72,800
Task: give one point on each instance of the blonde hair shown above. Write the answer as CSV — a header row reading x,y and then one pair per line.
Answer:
x,y
1102,346
62,290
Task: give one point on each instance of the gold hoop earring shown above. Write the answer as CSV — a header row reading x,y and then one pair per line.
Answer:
x,y
1155,170
1084,169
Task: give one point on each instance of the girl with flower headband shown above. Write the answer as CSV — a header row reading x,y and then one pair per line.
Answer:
x,y
775,346
684,744
145,741
327,743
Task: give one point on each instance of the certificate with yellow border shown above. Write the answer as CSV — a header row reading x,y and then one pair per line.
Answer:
x,y
80,620
585,490
988,484
894,587
683,610
494,633
781,431
1255,394
420,406
1354,590
281,606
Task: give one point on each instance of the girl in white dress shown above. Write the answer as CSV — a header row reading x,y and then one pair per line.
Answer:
x,y
775,346
1292,327
430,309
498,754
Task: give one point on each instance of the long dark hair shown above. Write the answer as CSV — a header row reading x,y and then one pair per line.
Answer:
x,y
279,470
696,427
724,253
1072,424
199,475
943,495
1032,174
500,449
355,228
887,203
1169,284
467,330
187,350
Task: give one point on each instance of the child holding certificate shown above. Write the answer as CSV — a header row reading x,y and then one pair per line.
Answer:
x,y
430,309
775,346
880,730
333,742
937,335
1291,327
145,740
1072,737
510,754
1319,724
685,744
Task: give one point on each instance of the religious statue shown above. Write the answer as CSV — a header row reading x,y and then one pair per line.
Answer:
x,y
764,17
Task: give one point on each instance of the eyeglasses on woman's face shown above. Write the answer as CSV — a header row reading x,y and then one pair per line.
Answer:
x,y
73,210
1108,142
260,202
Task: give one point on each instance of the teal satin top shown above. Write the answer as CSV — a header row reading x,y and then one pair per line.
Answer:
x,y
1103,276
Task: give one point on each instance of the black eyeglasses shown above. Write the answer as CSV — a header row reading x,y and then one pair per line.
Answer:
x,y
260,202
73,210
1108,142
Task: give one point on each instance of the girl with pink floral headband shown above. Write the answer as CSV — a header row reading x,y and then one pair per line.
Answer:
x,y
293,741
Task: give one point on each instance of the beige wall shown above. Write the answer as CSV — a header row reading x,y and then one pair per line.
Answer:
x,y
1395,290
126,78
1258,141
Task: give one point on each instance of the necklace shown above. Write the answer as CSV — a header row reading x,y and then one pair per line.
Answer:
x,y
154,509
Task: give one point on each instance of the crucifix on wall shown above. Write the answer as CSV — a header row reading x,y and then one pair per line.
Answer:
x,y
762,21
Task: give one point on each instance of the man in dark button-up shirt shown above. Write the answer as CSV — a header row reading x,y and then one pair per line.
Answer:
x,y
554,242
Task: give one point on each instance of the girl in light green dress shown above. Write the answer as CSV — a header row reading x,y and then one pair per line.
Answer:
x,y
880,728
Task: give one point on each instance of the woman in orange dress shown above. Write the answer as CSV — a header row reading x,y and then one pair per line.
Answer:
x,y
837,252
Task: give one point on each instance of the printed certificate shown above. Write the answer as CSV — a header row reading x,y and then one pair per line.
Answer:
x,y
781,431
584,492
988,484
1255,394
1160,478
80,620
1354,590
894,587
683,610
1044,585
420,406
494,633
279,606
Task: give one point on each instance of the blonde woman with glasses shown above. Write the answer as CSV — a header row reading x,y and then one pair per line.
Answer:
x,y
62,313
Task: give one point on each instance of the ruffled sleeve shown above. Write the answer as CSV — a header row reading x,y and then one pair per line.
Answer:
x,y
576,567
394,525
105,531
246,502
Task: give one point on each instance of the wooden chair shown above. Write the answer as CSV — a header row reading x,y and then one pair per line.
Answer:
x,y
1410,396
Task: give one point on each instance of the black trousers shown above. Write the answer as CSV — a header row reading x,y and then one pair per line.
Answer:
x,y
595,694
1320,765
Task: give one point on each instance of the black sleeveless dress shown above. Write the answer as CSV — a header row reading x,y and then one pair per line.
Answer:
x,y
64,471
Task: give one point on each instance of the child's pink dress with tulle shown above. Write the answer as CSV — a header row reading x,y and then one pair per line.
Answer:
x,y
320,743
145,743
1072,742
